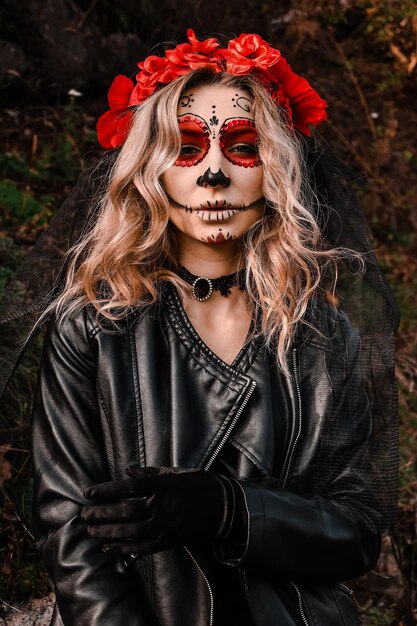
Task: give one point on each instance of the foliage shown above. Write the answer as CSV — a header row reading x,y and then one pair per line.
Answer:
x,y
361,56
22,572
376,616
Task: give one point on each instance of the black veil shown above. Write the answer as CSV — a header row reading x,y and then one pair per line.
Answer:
x,y
366,298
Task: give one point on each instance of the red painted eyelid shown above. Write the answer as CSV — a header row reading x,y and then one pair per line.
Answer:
x,y
198,132
194,120
240,130
239,122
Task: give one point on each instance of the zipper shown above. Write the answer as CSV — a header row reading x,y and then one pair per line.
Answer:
x,y
206,581
294,445
231,426
300,605
206,467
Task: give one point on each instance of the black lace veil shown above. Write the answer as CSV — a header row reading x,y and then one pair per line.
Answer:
x,y
366,299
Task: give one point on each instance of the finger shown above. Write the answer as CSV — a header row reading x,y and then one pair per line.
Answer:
x,y
130,530
116,489
137,509
149,546
135,471
125,531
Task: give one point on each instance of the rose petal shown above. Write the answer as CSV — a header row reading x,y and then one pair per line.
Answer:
x,y
119,92
112,128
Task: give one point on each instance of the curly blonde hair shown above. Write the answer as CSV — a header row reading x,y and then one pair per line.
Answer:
x,y
131,247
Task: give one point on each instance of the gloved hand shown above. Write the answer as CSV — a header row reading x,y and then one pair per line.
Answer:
x,y
159,508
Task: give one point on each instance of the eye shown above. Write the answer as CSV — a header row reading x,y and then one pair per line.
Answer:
x,y
244,148
239,142
189,149
194,140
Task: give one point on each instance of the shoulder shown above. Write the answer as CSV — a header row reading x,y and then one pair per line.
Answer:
x,y
83,326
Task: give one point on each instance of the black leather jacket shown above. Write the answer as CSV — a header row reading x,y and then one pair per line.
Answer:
x,y
105,400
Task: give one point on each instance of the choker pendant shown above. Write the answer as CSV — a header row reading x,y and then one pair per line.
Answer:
x,y
203,287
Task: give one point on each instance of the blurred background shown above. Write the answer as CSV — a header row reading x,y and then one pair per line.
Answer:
x,y
57,60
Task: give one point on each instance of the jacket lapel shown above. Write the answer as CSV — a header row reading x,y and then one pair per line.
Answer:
x,y
187,398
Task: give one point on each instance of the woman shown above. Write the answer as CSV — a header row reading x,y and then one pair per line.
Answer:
x,y
206,447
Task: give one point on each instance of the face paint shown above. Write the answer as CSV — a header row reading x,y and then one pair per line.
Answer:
x,y
218,237
239,142
217,178
195,142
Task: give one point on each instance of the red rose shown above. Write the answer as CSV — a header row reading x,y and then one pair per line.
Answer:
x,y
304,104
249,52
154,71
112,126
196,54
246,54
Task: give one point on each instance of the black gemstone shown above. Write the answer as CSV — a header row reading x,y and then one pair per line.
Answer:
x,y
202,288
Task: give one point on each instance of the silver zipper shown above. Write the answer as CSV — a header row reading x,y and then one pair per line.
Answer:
x,y
206,581
206,467
300,605
297,384
231,426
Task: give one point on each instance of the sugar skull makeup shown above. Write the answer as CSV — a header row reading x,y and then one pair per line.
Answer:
x,y
238,141
215,186
195,142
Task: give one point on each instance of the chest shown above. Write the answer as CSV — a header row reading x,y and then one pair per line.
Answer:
x,y
224,333
168,401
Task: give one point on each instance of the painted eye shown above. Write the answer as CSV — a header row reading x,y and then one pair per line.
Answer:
x,y
239,142
189,150
244,148
194,140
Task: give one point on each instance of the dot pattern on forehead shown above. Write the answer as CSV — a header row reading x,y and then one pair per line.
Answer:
x,y
214,120
186,100
243,102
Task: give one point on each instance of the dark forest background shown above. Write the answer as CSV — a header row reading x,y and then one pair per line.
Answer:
x,y
57,60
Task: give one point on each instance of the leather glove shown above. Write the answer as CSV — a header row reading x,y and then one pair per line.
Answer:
x,y
159,508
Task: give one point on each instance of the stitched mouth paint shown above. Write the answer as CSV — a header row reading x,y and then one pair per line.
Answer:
x,y
215,206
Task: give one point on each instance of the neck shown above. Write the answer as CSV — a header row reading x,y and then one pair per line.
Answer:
x,y
208,260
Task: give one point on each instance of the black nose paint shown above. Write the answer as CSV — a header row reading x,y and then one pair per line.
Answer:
x,y
217,179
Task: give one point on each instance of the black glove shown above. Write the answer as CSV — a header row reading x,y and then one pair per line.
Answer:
x,y
159,508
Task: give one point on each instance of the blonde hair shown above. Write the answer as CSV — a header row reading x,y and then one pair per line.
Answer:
x,y
131,249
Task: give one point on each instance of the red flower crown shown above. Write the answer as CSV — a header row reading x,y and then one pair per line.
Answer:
x,y
247,54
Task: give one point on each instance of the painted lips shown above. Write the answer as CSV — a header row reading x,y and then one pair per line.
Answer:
x,y
216,215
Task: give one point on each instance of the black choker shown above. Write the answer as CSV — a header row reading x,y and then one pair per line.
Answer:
x,y
203,287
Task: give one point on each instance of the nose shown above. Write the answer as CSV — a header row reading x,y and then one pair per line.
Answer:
x,y
213,179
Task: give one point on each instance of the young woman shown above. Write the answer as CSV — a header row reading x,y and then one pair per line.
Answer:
x,y
207,449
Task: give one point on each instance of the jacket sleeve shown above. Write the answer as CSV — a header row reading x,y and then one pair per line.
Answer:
x,y
92,588
328,532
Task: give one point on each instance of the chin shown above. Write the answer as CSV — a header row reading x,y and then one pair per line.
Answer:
x,y
219,239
